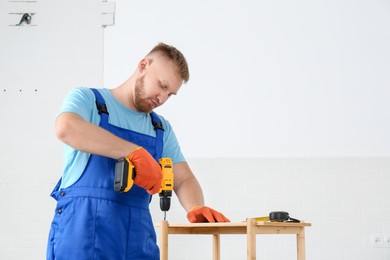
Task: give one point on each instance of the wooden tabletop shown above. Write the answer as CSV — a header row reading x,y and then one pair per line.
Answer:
x,y
237,224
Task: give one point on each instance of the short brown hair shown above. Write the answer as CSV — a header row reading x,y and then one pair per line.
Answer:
x,y
176,56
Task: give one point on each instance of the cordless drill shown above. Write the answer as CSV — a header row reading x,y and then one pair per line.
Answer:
x,y
125,174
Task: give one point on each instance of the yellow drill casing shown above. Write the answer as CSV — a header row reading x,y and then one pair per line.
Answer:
x,y
166,183
167,173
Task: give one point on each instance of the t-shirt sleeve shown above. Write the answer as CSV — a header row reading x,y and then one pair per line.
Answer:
x,y
171,145
80,101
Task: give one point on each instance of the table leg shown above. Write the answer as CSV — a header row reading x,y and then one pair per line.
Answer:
x,y
251,238
301,244
164,240
216,247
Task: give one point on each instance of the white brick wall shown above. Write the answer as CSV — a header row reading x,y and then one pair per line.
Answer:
x,y
346,200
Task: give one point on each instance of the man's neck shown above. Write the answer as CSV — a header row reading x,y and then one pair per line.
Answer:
x,y
124,93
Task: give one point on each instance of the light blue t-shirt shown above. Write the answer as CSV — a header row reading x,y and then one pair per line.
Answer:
x,y
82,102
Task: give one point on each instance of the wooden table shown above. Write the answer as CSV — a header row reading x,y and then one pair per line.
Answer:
x,y
249,227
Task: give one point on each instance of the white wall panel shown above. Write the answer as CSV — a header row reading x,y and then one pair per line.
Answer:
x,y
39,63
268,78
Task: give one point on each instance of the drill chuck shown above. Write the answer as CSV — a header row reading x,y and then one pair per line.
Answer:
x,y
165,200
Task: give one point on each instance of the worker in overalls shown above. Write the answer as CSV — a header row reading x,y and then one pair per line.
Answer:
x,y
100,126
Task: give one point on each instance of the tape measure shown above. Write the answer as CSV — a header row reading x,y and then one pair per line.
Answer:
x,y
278,216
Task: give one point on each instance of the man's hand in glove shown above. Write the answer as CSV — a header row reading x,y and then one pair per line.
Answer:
x,y
148,171
205,214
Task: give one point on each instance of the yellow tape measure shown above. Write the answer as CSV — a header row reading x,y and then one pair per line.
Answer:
x,y
277,216
266,218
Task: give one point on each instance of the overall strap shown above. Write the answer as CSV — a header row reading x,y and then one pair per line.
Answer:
x,y
101,106
156,121
157,124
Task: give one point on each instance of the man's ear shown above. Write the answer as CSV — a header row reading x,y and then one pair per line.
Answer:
x,y
143,64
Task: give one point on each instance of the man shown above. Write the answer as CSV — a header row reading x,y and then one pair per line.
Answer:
x,y
91,220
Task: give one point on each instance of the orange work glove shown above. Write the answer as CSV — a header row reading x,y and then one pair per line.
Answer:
x,y
148,171
205,214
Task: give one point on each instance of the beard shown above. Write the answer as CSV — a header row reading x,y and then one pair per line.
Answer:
x,y
141,104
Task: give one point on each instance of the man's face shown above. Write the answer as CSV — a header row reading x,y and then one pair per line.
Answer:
x,y
156,83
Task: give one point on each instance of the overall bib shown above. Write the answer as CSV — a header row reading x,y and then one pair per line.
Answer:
x,y
92,221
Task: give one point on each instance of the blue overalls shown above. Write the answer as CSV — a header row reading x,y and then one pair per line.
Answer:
x,y
92,221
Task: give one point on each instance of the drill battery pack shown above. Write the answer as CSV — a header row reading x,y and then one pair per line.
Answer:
x,y
124,175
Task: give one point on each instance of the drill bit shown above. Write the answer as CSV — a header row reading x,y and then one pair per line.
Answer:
x,y
165,215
